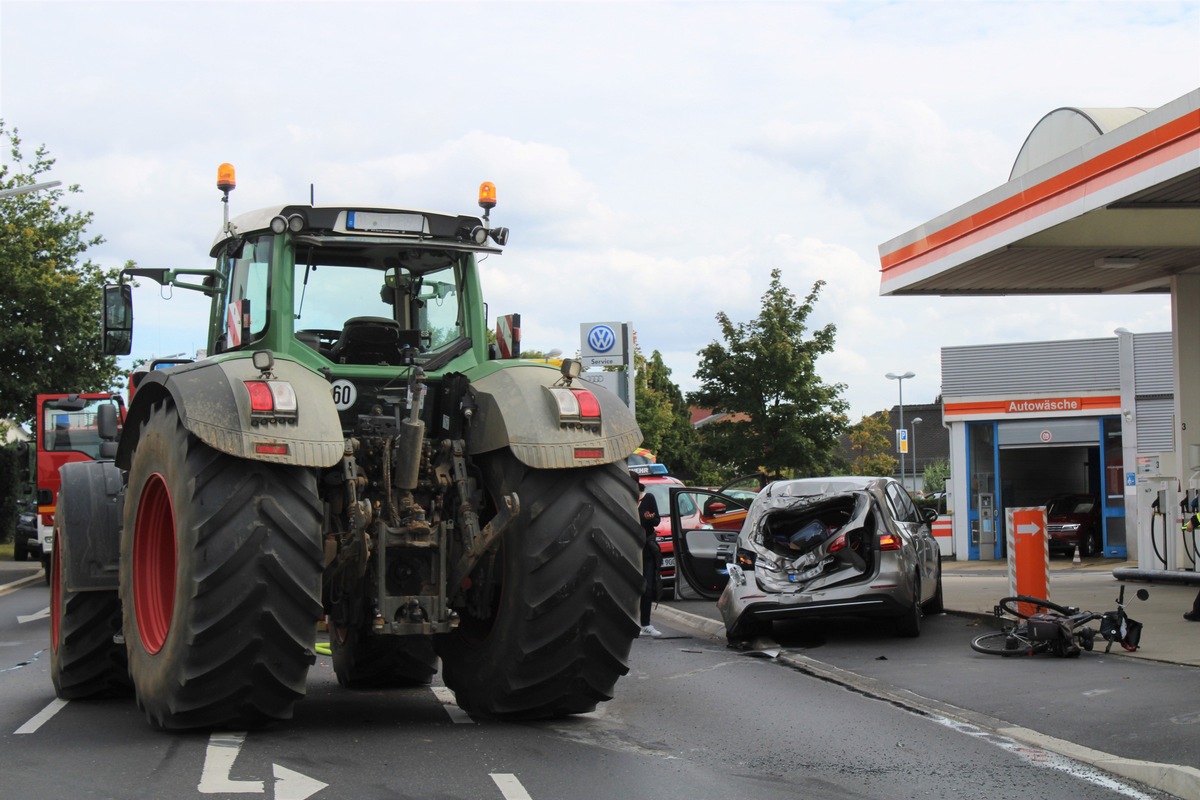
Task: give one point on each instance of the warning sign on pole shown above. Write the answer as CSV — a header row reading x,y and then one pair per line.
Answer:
x,y
1028,554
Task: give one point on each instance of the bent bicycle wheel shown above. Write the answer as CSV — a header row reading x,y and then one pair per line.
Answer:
x,y
1003,644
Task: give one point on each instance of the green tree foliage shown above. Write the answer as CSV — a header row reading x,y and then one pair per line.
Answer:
x,y
663,416
50,298
870,442
766,371
935,475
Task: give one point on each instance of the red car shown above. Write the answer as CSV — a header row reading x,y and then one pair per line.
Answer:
x,y
658,486
1073,520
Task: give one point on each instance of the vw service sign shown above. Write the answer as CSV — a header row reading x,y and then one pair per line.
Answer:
x,y
602,344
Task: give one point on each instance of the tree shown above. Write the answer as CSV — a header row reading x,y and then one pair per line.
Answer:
x,y
935,475
663,416
870,442
50,300
767,372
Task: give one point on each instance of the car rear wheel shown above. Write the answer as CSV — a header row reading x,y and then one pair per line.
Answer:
x,y
937,604
908,624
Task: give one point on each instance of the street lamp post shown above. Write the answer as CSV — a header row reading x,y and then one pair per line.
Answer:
x,y
917,483
900,379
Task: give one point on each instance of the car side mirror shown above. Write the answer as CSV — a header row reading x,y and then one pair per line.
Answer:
x,y
930,514
714,507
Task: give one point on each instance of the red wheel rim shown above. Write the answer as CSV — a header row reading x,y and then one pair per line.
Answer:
x,y
154,558
55,592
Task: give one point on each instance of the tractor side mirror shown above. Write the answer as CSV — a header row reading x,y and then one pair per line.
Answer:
x,y
118,319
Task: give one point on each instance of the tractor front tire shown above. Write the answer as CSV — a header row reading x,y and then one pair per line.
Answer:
x,y
85,661
561,616
364,660
220,581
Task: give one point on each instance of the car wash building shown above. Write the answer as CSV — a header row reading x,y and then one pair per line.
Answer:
x,y
1031,422
1099,201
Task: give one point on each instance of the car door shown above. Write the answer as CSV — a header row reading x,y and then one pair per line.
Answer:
x,y
920,534
705,543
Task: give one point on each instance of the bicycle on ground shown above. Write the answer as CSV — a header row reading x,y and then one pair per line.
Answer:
x,y
1039,626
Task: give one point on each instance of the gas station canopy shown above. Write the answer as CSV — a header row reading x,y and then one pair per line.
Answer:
x,y
1100,201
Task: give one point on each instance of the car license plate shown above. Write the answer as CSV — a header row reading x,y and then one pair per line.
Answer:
x,y
669,561
797,577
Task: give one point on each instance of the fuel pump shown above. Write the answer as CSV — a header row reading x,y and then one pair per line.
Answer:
x,y
987,526
1159,515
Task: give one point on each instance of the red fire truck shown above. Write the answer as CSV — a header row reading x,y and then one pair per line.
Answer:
x,y
66,432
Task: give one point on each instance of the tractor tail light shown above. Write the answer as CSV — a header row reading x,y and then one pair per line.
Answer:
x,y
272,401
576,406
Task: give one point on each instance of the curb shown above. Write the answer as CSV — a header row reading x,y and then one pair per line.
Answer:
x,y
1175,779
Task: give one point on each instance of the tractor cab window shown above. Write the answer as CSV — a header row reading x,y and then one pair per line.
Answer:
x,y
245,304
369,310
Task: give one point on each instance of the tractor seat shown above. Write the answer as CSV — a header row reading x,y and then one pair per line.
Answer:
x,y
370,340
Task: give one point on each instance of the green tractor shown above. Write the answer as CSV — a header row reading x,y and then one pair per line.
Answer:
x,y
350,450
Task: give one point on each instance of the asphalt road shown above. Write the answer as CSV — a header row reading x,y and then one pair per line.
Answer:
x,y
692,720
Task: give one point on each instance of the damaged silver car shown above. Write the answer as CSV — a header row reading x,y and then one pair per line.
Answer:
x,y
824,547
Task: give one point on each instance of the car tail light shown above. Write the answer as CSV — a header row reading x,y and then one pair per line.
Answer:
x,y
838,544
889,541
746,558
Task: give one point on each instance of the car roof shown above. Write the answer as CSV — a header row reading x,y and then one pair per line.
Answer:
x,y
659,479
799,487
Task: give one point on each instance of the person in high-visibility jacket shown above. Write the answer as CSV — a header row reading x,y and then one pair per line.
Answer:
x,y
1193,522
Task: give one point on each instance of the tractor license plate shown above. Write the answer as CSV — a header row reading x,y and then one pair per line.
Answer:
x,y
669,561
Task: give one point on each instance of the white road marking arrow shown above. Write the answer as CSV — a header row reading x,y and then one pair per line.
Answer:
x,y
1029,528
510,787
292,785
223,749
43,614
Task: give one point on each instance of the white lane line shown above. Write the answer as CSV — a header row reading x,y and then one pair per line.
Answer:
x,y
43,614
510,787
43,716
446,698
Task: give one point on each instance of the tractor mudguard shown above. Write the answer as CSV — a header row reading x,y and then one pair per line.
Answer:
x,y
88,521
215,406
514,409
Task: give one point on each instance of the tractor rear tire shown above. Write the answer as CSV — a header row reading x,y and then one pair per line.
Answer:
x,y
363,660
220,581
85,662
562,617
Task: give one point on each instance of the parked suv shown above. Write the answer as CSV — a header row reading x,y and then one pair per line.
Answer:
x,y
1074,520
25,542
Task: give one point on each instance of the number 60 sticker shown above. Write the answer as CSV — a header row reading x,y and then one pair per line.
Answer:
x,y
344,394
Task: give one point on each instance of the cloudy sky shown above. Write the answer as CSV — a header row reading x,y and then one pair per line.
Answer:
x,y
654,161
